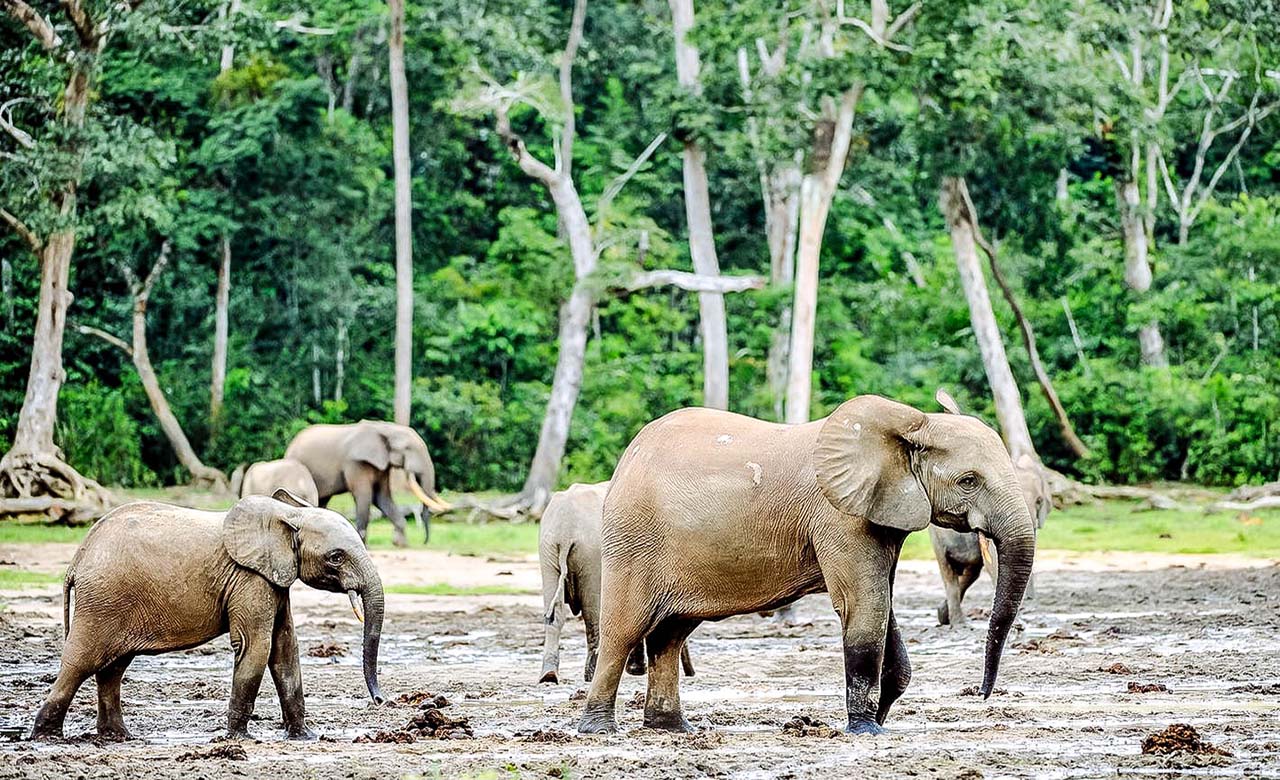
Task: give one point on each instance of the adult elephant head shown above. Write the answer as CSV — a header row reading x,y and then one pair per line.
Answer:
x,y
316,546
901,468
382,446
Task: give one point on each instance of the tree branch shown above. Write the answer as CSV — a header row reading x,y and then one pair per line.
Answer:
x,y
904,18
615,186
22,230
1024,325
693,282
83,25
34,21
161,262
23,138
515,144
107,337
566,85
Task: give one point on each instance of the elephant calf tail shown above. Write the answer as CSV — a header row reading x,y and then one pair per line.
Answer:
x,y
68,582
557,600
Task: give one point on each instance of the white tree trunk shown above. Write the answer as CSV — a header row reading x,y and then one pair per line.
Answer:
x,y
782,221
221,302
1137,267
1004,389
817,189
697,203
404,208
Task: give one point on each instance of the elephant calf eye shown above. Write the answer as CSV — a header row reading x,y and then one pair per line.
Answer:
x,y
968,482
334,557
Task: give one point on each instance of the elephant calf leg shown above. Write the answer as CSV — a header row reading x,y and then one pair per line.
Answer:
x,y
251,641
662,702
286,673
110,715
635,660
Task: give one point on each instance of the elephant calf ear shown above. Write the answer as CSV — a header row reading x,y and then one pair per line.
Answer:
x,y
863,463
285,497
259,534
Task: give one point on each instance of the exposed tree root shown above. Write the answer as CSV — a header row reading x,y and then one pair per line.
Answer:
x,y
1252,492
37,483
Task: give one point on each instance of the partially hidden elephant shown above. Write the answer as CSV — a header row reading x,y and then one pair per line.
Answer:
x,y
266,477
152,578
712,514
963,556
358,458
569,551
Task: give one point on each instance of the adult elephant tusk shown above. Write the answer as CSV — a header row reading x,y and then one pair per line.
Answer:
x,y
434,504
984,545
357,605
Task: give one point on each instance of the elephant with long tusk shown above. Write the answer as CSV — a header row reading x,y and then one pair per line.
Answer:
x,y
152,578
359,458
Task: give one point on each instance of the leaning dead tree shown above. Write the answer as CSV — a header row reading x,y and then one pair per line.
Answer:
x,y
202,475
34,477
1065,427
585,244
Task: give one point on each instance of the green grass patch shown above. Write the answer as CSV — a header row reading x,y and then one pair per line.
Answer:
x,y
40,533
12,577
445,589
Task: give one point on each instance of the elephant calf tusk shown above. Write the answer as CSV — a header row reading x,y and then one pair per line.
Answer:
x,y
356,604
434,504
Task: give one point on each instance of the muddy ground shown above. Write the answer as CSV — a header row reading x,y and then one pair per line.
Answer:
x,y
1064,708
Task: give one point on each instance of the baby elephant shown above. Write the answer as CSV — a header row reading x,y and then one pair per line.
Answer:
x,y
569,549
151,578
266,477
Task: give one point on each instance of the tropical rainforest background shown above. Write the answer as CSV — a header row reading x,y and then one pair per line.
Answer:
x,y
1122,160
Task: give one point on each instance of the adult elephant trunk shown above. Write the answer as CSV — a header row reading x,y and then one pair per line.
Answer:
x,y
1013,530
371,599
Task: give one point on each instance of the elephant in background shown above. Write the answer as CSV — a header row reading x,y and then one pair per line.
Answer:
x,y
152,578
264,478
569,552
359,458
712,514
962,556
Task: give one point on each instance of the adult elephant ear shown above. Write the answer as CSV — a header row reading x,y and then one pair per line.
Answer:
x,y
863,461
285,497
947,403
259,534
367,445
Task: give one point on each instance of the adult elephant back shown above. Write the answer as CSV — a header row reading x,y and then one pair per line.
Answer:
x,y
358,458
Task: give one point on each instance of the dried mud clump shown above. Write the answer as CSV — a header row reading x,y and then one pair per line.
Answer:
x,y
419,698
230,752
974,690
327,650
1116,668
1135,687
548,735
805,726
1179,738
427,723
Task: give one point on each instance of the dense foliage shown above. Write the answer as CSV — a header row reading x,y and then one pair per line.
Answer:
x,y
288,152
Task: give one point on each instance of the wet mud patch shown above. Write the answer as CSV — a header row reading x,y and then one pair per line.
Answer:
x,y
228,752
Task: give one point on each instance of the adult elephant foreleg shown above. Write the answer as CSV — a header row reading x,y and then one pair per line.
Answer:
x,y
391,510
286,673
857,576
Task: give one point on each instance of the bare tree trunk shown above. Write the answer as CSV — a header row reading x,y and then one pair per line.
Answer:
x,y
782,223
1024,325
697,201
201,474
340,360
1137,267
404,207
1004,389
33,466
220,327
817,189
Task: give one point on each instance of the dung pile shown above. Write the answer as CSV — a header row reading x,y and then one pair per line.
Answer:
x,y
229,751
1179,738
805,726
427,723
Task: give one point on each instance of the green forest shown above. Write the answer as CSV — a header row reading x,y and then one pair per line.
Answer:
x,y
865,166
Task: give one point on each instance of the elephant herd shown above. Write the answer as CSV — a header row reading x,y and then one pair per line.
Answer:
x,y
709,514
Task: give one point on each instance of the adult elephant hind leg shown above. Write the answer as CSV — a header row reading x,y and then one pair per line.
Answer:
x,y
662,702
626,617
110,714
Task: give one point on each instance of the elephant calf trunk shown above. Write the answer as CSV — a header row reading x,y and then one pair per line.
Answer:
x,y
1016,554
374,606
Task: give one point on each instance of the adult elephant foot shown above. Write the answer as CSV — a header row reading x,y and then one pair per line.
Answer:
x,y
550,676
304,734
944,619
115,734
668,721
864,726
597,722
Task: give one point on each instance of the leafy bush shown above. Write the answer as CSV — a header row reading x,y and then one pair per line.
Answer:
x,y
100,437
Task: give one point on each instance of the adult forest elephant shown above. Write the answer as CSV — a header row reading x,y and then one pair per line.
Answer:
x,y
712,514
358,458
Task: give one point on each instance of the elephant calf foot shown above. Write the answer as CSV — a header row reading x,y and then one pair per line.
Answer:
x,y
597,721
550,676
